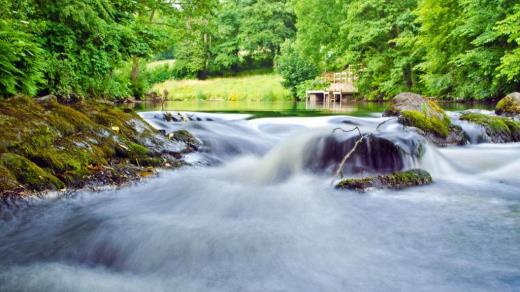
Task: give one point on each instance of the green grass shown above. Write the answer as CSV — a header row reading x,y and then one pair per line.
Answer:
x,y
156,64
260,87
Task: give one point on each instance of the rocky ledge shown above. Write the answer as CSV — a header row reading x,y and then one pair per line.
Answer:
x,y
397,180
46,145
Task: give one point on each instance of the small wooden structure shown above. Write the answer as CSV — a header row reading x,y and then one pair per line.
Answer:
x,y
342,85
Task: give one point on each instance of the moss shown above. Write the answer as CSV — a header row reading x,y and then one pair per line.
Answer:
x,y
514,128
499,129
69,142
8,181
28,173
507,105
137,150
185,136
494,124
428,124
396,180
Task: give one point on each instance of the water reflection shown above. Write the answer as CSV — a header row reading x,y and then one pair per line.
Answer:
x,y
286,108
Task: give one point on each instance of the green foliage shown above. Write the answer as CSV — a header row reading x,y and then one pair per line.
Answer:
x,y
449,49
313,84
232,36
294,68
21,63
463,47
75,47
510,28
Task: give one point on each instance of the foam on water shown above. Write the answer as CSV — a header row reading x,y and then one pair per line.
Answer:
x,y
258,221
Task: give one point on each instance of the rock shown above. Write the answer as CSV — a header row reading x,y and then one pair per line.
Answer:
x,y
376,154
408,101
186,137
46,145
509,105
498,129
27,173
417,111
397,180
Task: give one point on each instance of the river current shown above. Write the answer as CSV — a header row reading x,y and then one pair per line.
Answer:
x,y
253,213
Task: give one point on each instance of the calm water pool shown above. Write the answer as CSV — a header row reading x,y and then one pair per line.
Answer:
x,y
288,108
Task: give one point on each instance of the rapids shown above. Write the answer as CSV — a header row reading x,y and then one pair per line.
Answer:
x,y
256,212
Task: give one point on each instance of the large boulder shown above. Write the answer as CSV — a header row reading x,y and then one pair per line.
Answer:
x,y
498,129
398,180
414,110
509,105
376,154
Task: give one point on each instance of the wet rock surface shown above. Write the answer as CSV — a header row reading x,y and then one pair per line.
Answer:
x,y
375,154
414,110
398,180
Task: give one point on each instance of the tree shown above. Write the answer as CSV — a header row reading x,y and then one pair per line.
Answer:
x,y
510,62
463,48
294,68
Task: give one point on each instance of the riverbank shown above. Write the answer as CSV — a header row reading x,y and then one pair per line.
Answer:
x,y
248,87
49,146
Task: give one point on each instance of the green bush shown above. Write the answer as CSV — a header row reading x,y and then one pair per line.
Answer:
x,y
21,62
313,84
160,74
294,68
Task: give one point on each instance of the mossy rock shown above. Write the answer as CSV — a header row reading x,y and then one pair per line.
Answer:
x,y
28,173
509,105
398,180
72,142
8,181
414,110
186,137
429,124
499,129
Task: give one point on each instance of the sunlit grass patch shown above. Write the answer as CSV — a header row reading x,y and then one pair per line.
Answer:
x,y
261,87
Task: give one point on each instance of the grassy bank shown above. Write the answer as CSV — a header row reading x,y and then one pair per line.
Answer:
x,y
259,87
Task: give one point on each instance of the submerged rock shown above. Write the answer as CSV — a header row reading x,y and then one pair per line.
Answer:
x,y
414,110
509,105
375,154
498,129
397,180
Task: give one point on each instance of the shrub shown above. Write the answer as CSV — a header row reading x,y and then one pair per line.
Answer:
x,y
21,62
294,68
317,84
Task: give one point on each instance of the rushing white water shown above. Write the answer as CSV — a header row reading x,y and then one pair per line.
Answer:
x,y
253,215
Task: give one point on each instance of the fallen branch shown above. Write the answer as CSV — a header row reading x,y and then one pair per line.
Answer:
x,y
380,124
339,171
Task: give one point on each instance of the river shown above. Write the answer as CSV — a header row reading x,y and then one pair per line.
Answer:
x,y
253,214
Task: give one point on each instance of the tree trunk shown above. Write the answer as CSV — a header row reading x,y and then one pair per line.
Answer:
x,y
135,69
